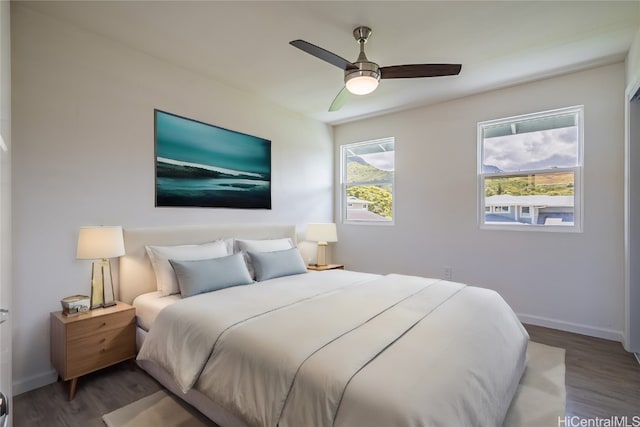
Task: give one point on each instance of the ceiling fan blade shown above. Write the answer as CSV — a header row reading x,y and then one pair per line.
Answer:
x,y
341,98
323,54
419,70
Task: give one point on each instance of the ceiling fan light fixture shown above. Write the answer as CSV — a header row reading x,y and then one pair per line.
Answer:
x,y
362,82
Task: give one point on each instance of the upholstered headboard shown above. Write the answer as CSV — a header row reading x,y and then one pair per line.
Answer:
x,y
136,275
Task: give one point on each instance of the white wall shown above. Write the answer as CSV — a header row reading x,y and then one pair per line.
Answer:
x,y
84,155
568,281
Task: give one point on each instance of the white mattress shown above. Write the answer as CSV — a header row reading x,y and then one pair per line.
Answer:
x,y
149,305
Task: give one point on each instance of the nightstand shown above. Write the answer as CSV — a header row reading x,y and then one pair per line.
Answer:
x,y
325,267
91,341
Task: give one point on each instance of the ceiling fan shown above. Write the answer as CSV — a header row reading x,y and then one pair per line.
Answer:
x,y
362,76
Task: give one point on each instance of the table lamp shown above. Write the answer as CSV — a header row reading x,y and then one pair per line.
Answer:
x,y
323,234
100,243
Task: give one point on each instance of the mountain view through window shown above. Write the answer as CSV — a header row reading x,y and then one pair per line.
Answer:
x,y
530,169
368,170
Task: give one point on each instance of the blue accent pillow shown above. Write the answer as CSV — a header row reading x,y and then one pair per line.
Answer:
x,y
196,277
269,265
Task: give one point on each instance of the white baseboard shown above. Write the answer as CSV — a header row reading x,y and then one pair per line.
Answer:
x,y
33,382
608,334
637,357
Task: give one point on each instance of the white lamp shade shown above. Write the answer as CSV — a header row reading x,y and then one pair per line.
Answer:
x,y
322,232
100,242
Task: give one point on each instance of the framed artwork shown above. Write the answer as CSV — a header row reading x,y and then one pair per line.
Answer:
x,y
202,165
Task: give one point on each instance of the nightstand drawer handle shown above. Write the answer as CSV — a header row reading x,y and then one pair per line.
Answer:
x,y
103,340
103,324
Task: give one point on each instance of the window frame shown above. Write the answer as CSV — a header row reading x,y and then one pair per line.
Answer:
x,y
578,218
344,185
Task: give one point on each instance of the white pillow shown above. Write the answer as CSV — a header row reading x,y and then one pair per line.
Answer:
x,y
267,245
160,256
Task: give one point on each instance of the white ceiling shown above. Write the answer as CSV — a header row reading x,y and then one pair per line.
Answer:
x,y
246,44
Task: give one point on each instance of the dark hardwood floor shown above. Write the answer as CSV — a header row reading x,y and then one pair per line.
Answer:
x,y
97,394
602,380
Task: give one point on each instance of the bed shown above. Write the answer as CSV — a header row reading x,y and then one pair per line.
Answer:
x,y
334,348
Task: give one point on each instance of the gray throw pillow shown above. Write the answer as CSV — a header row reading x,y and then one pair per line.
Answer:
x,y
196,277
269,265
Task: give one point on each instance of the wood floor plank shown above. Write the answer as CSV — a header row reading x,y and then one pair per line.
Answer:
x,y
602,380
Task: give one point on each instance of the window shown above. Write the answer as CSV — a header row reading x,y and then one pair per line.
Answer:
x,y
367,181
532,163
501,209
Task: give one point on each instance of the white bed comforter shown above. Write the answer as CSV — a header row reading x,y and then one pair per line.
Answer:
x,y
346,349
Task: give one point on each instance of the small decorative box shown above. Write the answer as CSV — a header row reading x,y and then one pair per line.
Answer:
x,y
75,304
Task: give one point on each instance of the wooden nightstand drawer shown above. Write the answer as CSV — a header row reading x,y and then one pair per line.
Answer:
x,y
100,324
92,341
97,351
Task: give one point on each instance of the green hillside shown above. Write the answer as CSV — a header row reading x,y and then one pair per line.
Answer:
x,y
380,196
552,184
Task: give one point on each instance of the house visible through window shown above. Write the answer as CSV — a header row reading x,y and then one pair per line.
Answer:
x,y
367,181
529,171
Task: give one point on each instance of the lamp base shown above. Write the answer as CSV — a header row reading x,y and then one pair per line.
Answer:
x,y
101,285
321,260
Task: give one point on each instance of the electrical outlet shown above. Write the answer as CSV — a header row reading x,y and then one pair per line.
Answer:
x,y
448,272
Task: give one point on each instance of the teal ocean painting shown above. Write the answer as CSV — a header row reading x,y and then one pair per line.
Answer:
x,y
203,165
